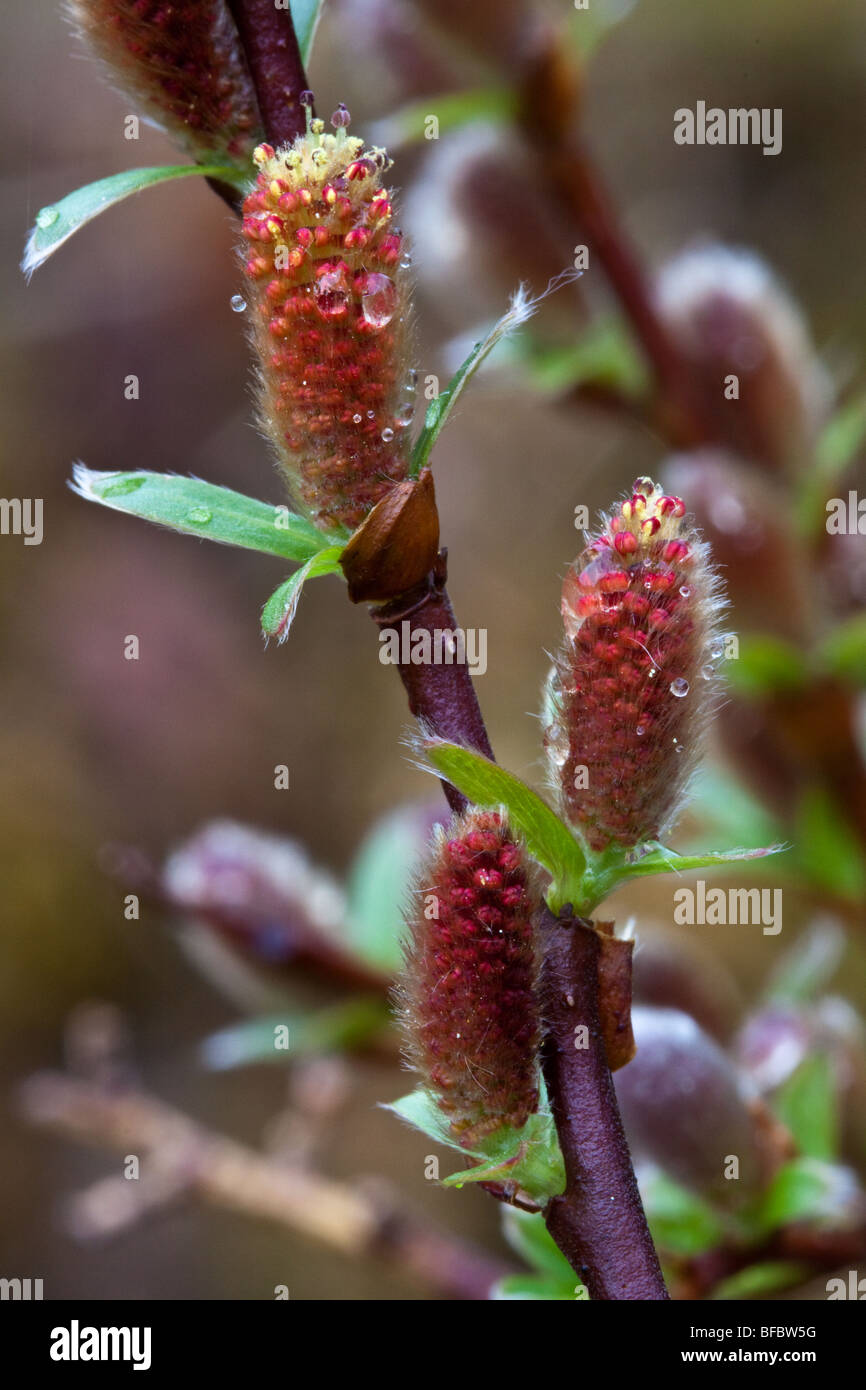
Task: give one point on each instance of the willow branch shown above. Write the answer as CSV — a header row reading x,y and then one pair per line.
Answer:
x,y
441,697
273,56
179,1155
598,1222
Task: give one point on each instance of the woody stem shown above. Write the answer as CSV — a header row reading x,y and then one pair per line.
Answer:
x,y
598,1222
273,56
441,697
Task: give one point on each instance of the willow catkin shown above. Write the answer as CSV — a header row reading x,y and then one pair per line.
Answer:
x,y
184,66
468,990
633,686
328,291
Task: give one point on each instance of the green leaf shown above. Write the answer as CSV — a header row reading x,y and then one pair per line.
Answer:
x,y
766,665
768,1277
604,354
547,838
529,1157
452,110
519,311
380,881
806,1104
538,1288
828,851
339,1028
804,1190
603,880
841,441
527,1234
681,1223
57,222
728,811
843,653
807,967
305,17
203,509
278,613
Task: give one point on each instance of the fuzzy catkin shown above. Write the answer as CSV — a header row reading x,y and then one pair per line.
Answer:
x,y
183,63
633,686
328,291
468,990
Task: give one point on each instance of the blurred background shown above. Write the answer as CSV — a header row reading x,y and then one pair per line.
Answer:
x,y
98,751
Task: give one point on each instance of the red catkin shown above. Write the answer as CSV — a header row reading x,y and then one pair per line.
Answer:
x,y
468,990
632,688
328,291
183,64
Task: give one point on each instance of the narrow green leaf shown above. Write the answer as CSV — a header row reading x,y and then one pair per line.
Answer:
x,y
547,838
538,1288
806,1104
278,613
765,666
603,354
305,17
202,509
57,222
843,652
807,967
728,811
336,1029
527,1234
769,1277
529,1157
664,861
828,851
843,437
805,1189
380,880
520,310
681,1222
452,110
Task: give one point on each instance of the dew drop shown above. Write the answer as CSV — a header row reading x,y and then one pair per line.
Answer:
x,y
679,687
678,747
387,435
46,217
199,516
708,672
405,415
123,487
379,300
238,303
371,414
332,294
356,419
685,590
640,730
652,672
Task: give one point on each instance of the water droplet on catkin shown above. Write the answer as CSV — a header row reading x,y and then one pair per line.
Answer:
x,y
238,303
332,295
379,300
679,687
387,435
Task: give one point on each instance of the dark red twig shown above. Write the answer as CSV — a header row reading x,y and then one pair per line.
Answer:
x,y
443,697
598,1222
274,59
